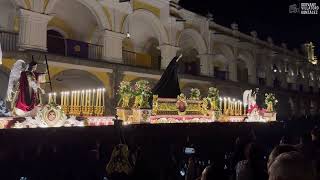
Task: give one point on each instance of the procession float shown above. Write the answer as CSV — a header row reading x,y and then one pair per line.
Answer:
x,y
26,107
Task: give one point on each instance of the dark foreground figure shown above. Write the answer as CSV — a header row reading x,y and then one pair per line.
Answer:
x,y
159,152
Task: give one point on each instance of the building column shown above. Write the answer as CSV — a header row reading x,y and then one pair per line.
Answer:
x,y
204,64
233,71
253,75
269,77
33,30
112,46
167,53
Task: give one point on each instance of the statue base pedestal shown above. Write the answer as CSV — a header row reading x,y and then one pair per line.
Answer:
x,y
270,116
141,115
124,114
214,115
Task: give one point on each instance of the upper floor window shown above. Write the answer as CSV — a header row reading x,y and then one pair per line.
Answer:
x,y
219,74
55,42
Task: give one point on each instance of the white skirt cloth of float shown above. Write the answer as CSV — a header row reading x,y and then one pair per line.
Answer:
x,y
20,113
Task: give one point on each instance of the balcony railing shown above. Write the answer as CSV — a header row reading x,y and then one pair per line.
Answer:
x,y
141,60
8,41
74,48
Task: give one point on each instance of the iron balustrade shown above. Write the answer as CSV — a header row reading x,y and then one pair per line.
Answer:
x,y
73,48
9,41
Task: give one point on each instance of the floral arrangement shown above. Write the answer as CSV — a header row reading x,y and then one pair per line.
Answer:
x,y
213,93
125,92
270,101
213,97
124,88
195,94
270,98
142,93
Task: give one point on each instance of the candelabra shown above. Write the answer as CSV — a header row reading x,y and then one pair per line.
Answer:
x,y
82,102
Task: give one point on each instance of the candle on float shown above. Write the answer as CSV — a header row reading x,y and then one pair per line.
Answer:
x,y
224,104
55,97
240,108
229,103
103,91
78,100
82,98
85,97
94,97
67,98
61,98
233,104
89,98
97,97
72,96
64,100
49,101
100,97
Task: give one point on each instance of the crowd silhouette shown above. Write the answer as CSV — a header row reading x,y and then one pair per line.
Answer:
x,y
217,151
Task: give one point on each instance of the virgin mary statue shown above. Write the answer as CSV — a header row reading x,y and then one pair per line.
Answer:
x,y
168,85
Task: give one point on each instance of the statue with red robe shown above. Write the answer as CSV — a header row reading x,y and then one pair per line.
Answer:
x,y
24,91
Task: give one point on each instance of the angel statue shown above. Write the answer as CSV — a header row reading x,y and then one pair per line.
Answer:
x,y
250,99
24,89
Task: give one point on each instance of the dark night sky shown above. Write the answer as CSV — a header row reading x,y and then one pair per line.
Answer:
x,y
268,18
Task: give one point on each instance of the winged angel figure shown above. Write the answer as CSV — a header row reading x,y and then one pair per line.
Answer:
x,y
24,91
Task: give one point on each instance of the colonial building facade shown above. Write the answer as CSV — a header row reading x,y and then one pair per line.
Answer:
x,y
92,43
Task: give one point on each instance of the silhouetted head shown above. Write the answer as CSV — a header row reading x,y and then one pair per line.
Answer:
x,y
208,173
315,133
32,66
279,150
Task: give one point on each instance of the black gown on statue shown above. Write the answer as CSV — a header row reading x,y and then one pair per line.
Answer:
x,y
168,85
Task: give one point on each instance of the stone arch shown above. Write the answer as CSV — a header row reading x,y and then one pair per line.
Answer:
x,y
224,49
195,37
242,71
59,30
152,49
96,10
190,62
69,80
149,20
248,59
219,66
